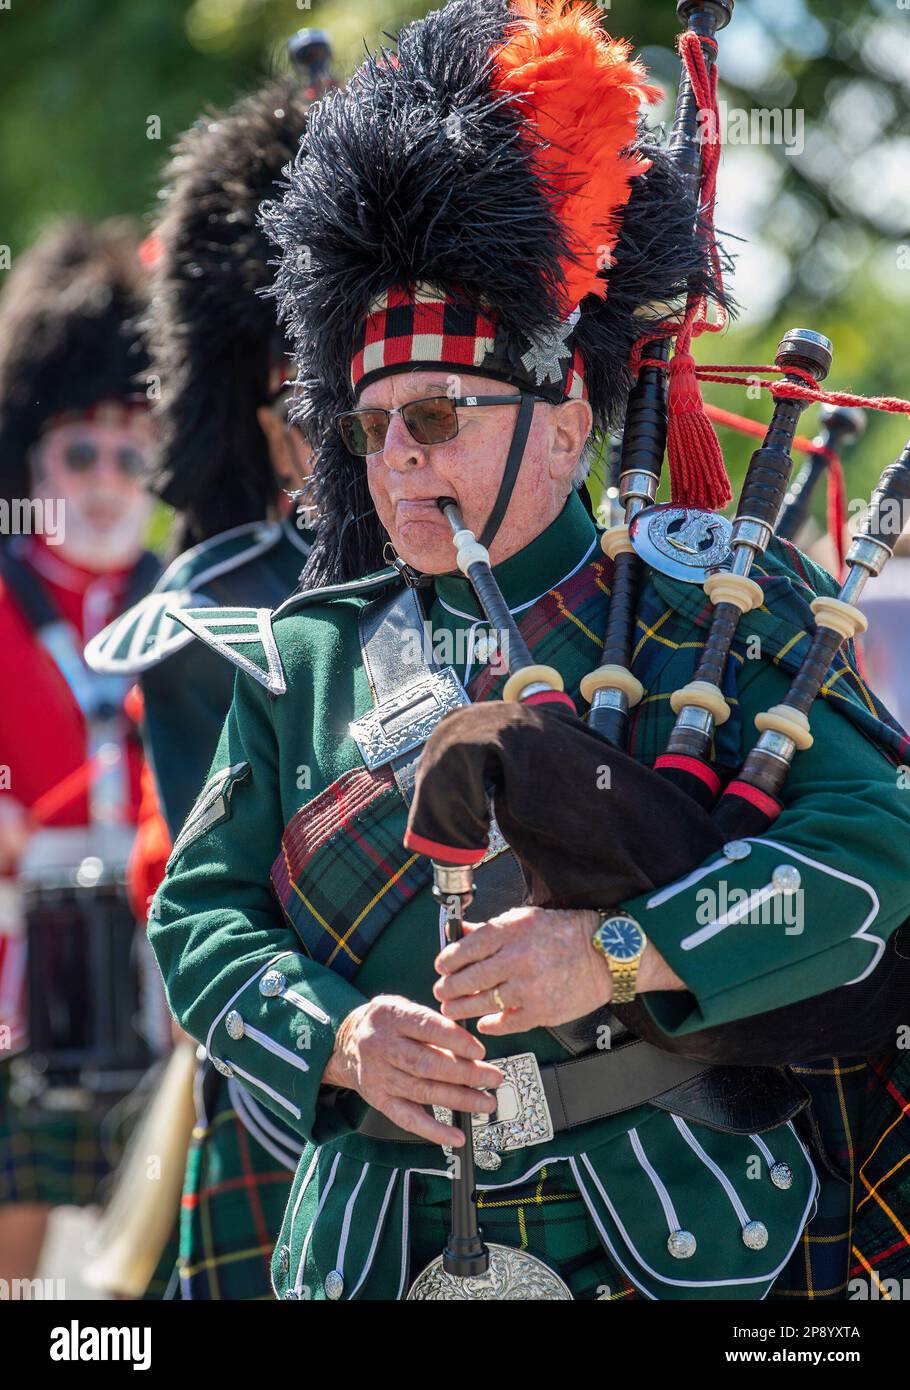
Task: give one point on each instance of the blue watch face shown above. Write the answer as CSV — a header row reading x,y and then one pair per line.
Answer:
x,y
621,938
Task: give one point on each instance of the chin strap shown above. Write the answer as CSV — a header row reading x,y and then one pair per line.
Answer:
x,y
510,472
412,578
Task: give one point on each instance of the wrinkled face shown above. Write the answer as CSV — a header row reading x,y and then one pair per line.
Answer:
x,y
405,477
96,471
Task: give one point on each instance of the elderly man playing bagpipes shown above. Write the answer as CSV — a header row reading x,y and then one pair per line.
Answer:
x,y
479,858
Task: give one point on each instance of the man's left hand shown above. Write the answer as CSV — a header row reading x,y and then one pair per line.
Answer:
x,y
531,967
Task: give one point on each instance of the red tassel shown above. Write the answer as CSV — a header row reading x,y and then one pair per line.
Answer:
x,y
837,512
698,477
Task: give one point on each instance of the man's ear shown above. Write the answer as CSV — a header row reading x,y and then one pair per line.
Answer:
x,y
570,423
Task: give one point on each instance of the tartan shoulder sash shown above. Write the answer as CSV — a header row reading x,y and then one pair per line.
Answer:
x,y
343,874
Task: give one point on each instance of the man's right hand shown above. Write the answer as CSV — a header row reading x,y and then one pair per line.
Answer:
x,y
401,1056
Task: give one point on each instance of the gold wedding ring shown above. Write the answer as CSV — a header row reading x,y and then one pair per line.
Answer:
x,y
499,1000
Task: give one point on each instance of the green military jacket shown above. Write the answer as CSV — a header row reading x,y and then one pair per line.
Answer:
x,y
290,900
186,687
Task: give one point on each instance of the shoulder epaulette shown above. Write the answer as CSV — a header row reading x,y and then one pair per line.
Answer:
x,y
244,636
146,634
370,584
219,555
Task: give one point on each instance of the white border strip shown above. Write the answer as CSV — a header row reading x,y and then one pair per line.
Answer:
x,y
263,1086
663,1196
768,1277
368,1263
242,1101
346,1223
298,1282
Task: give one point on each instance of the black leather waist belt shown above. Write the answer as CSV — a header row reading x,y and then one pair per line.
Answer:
x,y
537,1101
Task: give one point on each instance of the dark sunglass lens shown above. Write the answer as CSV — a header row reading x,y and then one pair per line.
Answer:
x,y
431,422
363,431
80,456
131,462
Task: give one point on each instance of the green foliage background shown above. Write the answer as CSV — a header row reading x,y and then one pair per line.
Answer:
x,y
84,85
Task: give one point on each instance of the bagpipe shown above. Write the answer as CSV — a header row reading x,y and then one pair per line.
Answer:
x,y
503,759
839,426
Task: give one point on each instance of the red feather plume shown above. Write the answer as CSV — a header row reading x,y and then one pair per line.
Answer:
x,y
582,92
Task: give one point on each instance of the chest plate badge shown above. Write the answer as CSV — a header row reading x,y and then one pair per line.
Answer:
x,y
682,542
405,720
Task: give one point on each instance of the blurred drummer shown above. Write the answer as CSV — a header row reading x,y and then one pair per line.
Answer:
x,y
75,442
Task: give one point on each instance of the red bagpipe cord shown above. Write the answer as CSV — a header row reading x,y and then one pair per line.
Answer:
x,y
697,473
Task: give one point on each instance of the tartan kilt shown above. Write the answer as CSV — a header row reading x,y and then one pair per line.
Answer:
x,y
547,1217
881,1233
234,1198
54,1157
861,1107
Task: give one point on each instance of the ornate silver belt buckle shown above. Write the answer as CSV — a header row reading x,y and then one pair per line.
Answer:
x,y
406,719
522,1117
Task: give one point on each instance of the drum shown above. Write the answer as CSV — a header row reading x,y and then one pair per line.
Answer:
x,y
85,1044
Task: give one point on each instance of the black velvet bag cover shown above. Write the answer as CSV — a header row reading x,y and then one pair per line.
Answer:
x,y
590,825
593,828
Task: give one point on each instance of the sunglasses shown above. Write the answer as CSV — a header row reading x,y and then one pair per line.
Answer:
x,y
433,420
82,455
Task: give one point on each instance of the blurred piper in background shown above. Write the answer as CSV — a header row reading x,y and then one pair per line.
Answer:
x,y
75,441
236,475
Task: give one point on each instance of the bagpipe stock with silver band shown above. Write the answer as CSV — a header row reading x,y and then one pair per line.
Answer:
x,y
749,803
700,705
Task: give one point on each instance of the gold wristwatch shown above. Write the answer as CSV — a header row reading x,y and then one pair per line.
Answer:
x,y
621,941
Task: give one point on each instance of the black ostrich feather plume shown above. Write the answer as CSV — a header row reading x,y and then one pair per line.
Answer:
x,y
420,172
212,335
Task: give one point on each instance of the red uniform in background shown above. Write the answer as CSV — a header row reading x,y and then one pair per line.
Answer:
x,y
152,845
43,737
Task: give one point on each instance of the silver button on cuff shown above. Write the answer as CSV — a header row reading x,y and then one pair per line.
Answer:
x,y
786,878
272,983
681,1244
334,1284
755,1235
737,849
234,1025
222,1067
284,1259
